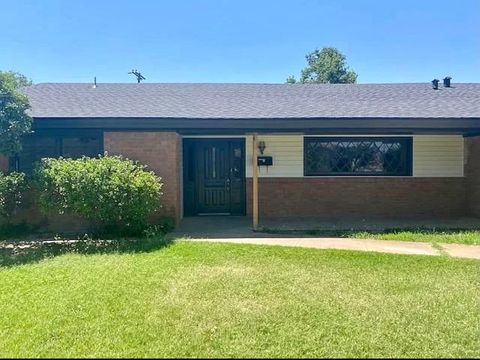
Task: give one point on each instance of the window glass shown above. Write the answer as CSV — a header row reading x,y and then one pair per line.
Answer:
x,y
78,147
36,147
237,163
357,156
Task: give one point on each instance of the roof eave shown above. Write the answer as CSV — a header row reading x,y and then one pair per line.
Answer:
x,y
231,125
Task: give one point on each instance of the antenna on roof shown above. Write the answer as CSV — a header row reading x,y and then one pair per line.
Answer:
x,y
139,76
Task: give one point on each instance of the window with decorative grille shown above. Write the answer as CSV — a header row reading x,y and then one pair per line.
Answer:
x,y
358,156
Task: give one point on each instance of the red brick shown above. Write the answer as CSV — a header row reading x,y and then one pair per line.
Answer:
x,y
472,174
359,197
161,152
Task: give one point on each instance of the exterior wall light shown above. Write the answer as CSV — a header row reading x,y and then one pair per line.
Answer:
x,y
261,146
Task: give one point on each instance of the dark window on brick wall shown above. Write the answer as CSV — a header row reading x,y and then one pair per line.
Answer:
x,y
357,156
73,147
66,144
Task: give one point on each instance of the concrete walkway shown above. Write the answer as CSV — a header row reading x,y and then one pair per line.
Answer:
x,y
237,229
384,246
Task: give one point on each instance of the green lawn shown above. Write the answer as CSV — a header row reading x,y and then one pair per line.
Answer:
x,y
211,300
447,236
469,237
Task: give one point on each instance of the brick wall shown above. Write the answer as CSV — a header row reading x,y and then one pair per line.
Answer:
x,y
472,174
3,163
31,214
160,151
359,197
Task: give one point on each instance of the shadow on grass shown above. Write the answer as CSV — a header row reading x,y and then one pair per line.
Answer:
x,y
24,252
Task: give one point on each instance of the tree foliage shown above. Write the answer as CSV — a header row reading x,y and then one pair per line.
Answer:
x,y
325,66
14,121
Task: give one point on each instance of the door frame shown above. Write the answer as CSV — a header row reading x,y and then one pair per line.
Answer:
x,y
189,186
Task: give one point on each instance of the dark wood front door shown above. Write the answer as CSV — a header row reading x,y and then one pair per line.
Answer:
x,y
214,176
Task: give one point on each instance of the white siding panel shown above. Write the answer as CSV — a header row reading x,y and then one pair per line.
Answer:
x,y
438,156
433,155
287,153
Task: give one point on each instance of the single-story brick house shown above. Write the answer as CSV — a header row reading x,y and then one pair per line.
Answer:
x,y
360,150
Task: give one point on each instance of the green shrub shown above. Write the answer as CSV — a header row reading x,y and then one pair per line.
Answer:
x,y
12,188
116,193
161,227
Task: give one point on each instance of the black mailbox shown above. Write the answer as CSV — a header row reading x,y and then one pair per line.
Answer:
x,y
264,160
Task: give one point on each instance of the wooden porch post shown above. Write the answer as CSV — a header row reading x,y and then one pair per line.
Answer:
x,y
254,182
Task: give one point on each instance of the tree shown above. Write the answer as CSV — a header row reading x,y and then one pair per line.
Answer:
x,y
291,80
14,121
326,66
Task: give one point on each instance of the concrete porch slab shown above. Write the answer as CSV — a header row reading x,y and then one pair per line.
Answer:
x,y
215,227
241,226
347,223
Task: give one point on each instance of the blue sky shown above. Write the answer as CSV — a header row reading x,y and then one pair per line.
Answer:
x,y
238,41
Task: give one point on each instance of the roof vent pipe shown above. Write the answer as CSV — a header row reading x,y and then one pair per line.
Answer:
x,y
94,82
435,84
446,81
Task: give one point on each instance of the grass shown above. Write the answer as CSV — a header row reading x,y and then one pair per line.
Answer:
x,y
468,237
446,236
224,300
